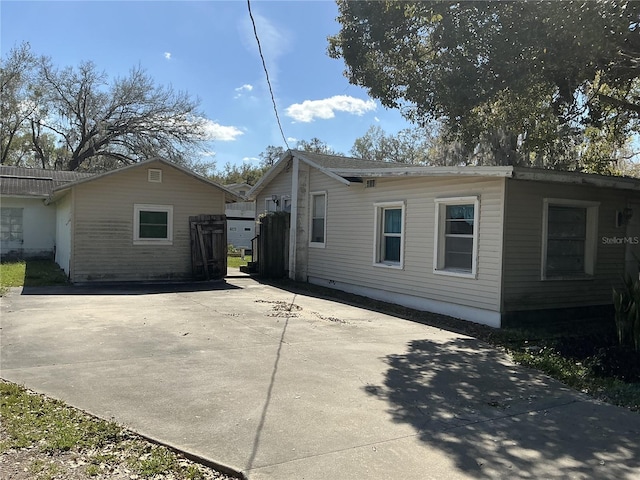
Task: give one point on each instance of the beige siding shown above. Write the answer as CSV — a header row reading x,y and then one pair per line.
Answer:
x,y
103,248
280,185
348,256
523,287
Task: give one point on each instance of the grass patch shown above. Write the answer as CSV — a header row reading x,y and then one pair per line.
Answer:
x,y
588,360
48,429
237,262
31,273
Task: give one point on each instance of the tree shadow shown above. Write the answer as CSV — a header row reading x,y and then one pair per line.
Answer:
x,y
499,420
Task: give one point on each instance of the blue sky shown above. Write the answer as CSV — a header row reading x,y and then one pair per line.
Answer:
x,y
208,49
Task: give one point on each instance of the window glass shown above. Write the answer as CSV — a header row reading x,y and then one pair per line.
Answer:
x,y
153,224
458,249
318,206
566,240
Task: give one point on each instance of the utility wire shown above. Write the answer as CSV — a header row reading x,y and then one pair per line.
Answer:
x,y
266,72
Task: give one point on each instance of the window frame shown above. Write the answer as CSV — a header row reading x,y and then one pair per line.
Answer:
x,y
11,213
378,233
312,195
590,241
144,207
439,251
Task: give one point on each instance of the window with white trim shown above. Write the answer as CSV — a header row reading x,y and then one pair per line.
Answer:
x,y
389,234
569,238
456,236
318,228
152,224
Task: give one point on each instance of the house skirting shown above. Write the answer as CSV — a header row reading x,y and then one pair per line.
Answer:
x,y
477,315
558,317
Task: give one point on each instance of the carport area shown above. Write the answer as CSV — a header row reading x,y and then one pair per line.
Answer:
x,y
284,385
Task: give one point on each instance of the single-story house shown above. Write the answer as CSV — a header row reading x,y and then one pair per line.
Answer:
x,y
133,223
27,225
241,218
129,224
494,245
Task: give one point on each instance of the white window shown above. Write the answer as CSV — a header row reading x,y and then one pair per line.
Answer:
x,y
456,236
285,201
152,224
389,234
318,219
11,225
569,233
271,204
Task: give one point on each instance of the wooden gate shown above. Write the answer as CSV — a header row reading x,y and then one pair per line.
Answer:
x,y
273,245
208,246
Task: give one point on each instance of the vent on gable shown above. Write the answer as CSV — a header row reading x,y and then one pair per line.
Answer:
x,y
370,183
155,175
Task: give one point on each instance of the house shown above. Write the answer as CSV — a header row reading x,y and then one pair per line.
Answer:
x,y
27,225
494,245
134,223
241,218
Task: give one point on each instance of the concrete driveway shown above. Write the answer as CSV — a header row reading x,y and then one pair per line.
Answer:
x,y
281,385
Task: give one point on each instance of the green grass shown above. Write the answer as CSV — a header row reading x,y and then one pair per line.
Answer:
x,y
47,427
233,261
31,273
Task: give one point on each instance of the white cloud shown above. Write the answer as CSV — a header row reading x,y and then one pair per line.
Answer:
x,y
244,88
309,110
223,133
167,55
250,159
292,139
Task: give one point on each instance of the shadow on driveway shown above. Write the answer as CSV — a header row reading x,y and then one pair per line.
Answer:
x,y
493,417
133,288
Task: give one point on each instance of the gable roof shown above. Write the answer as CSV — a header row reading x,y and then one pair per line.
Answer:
x,y
348,170
328,164
59,190
34,182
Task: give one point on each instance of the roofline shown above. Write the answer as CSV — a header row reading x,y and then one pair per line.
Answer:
x,y
326,171
576,178
53,197
280,164
415,171
272,172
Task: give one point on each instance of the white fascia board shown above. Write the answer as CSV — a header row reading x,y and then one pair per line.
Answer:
x,y
267,177
426,172
329,172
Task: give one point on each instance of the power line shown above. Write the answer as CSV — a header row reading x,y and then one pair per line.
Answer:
x,y
266,72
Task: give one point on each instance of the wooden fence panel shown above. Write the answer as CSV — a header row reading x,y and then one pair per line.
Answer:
x,y
208,246
273,245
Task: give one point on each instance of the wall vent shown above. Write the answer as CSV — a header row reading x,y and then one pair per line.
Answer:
x,y
370,183
155,175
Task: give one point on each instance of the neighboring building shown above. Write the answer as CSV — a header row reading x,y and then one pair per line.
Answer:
x,y
132,224
241,218
27,225
494,245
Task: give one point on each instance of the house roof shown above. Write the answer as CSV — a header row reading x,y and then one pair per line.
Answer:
x,y
34,182
328,164
348,170
61,189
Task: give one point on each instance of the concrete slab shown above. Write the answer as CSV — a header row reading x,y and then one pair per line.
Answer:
x,y
281,385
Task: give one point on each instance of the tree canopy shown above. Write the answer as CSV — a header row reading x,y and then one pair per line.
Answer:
x,y
77,118
541,82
